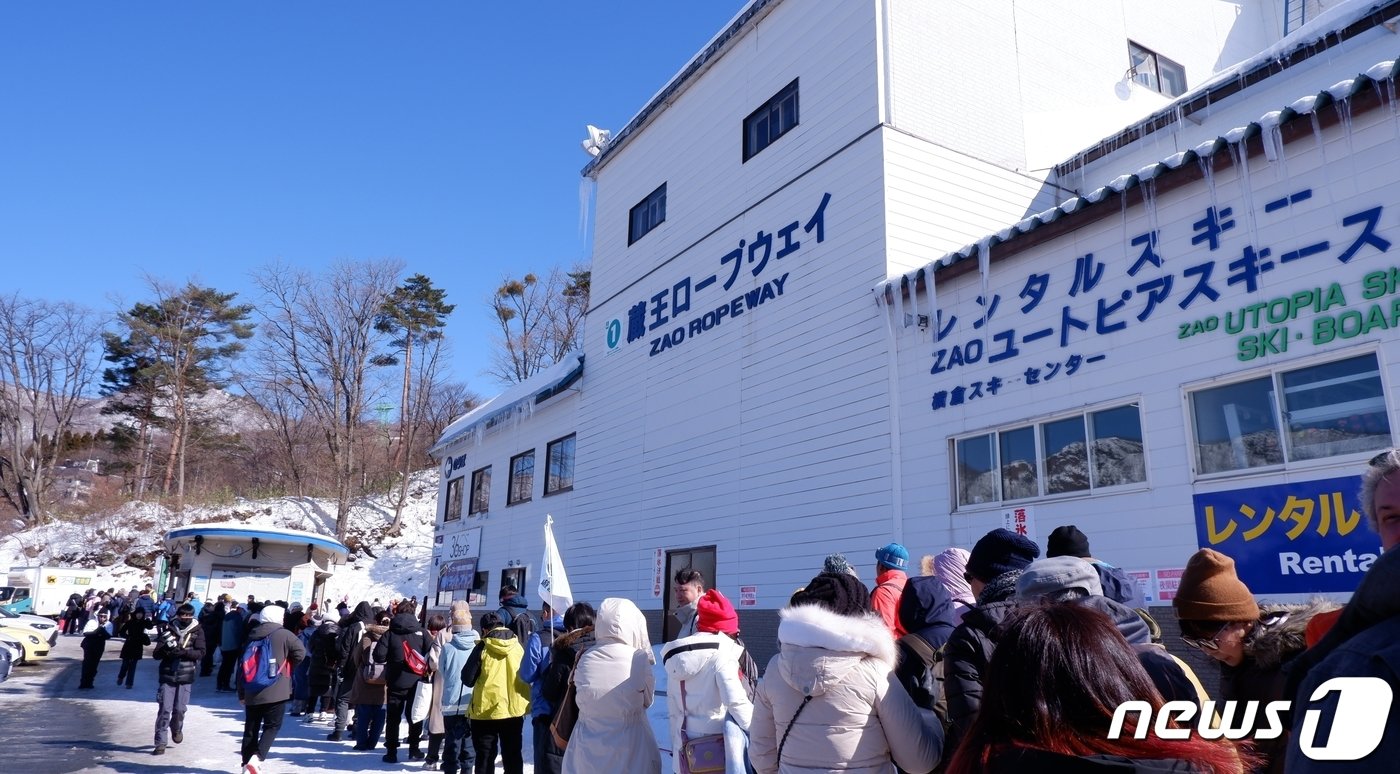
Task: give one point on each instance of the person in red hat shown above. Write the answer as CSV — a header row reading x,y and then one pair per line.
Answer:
x,y
707,692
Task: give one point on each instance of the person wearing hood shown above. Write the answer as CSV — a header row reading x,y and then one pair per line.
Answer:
x,y
564,654
136,632
1253,644
1068,579
704,688
829,700
404,632
928,614
1052,685
352,630
211,620
266,709
514,612
614,685
993,567
458,752
1117,586
500,700
891,573
180,647
368,697
533,669
950,567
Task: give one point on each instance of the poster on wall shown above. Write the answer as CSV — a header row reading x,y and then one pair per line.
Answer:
x,y
1168,581
1296,538
1020,520
1143,580
748,596
658,579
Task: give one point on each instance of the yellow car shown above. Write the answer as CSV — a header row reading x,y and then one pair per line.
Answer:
x,y
33,648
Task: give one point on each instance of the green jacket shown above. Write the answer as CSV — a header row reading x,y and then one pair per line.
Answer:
x,y
499,692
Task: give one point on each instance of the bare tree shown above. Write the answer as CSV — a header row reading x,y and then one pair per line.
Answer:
x,y
540,321
48,353
319,335
443,403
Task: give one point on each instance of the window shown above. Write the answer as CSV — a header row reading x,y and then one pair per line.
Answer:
x,y
560,456
647,215
1291,415
1076,453
773,120
522,477
1155,71
481,491
477,597
453,509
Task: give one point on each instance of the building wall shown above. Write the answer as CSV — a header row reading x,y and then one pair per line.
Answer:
x,y
1149,362
509,533
694,145
754,431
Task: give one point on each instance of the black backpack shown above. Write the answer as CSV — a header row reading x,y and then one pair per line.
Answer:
x,y
324,644
556,675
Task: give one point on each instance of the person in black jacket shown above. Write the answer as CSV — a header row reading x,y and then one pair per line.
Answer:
x,y
95,636
401,681
137,637
211,620
926,613
180,646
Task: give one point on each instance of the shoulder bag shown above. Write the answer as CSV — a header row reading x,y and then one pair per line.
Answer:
x,y
561,727
699,754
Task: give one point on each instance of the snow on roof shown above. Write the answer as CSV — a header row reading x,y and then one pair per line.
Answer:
x,y
1375,75
266,534
1331,27
518,397
681,80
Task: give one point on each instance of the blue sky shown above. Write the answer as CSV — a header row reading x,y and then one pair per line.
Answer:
x,y
203,140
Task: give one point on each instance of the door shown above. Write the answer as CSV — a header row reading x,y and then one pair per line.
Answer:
x,y
702,559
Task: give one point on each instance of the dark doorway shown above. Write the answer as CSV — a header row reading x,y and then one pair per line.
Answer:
x,y
702,559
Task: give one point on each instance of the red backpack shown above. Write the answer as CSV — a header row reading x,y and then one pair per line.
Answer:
x,y
413,661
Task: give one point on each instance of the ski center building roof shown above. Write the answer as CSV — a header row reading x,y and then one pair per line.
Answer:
x,y
1195,352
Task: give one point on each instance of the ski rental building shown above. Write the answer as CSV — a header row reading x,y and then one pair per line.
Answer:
x,y
899,270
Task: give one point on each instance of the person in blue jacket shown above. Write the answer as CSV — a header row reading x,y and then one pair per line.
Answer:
x,y
230,646
549,758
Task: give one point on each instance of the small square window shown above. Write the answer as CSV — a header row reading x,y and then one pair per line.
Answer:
x,y
647,215
560,456
1155,71
481,491
522,477
774,119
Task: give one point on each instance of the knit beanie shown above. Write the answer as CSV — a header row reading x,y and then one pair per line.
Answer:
x,y
998,552
1211,591
893,556
461,616
715,614
838,564
1067,541
838,592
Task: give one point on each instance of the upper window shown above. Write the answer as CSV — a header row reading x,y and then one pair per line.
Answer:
x,y
647,215
1155,71
771,121
1076,453
560,475
453,507
522,477
1325,410
481,491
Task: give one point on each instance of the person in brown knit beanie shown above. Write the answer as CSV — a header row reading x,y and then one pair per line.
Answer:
x,y
1220,617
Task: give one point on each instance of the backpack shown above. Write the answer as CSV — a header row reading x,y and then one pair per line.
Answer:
x,y
748,671
933,661
413,661
325,644
372,673
522,623
260,670
556,678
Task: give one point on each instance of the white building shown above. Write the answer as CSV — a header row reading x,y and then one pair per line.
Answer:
x,y
749,405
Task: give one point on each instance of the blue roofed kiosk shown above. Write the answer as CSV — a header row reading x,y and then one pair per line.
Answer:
x,y
239,560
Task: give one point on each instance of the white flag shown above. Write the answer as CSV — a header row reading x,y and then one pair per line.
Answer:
x,y
554,583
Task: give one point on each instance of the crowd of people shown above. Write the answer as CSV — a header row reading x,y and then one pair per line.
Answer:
x,y
993,659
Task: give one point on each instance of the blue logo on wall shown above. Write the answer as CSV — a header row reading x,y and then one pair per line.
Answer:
x,y
614,333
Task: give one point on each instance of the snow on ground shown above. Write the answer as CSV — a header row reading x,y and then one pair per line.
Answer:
x,y
213,724
122,545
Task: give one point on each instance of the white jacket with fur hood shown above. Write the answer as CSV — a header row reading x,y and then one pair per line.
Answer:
x,y
859,717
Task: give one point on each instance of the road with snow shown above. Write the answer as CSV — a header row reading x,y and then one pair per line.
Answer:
x,y
50,727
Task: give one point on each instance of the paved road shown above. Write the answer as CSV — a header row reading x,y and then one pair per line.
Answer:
x,y
47,728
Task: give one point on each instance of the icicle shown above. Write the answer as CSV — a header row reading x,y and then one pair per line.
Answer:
x,y
585,207
1322,153
1239,154
1207,162
932,299
984,266
899,319
1394,111
1149,205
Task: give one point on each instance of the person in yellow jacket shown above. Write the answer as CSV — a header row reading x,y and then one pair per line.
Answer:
x,y
500,700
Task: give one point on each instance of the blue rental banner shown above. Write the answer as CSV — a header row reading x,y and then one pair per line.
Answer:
x,y
1295,538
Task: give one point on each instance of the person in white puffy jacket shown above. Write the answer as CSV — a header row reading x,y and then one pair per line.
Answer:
x,y
828,701
704,689
614,685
